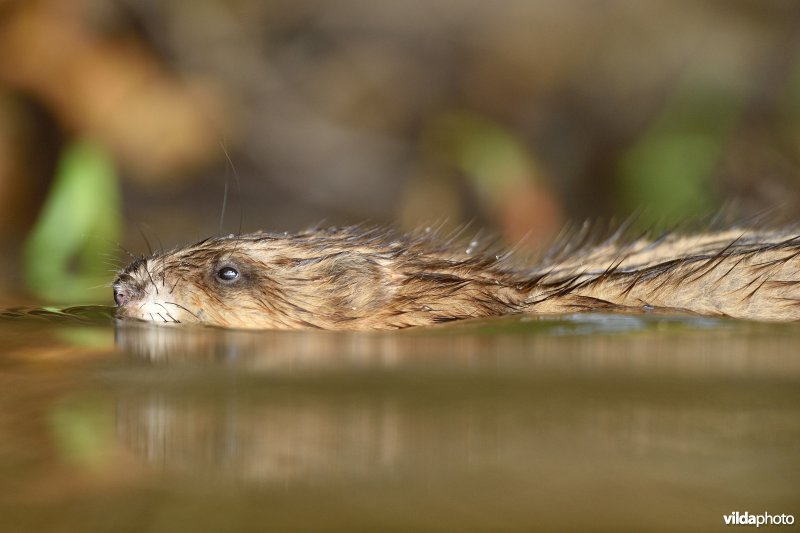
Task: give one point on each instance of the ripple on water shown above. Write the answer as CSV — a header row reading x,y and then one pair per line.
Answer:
x,y
83,314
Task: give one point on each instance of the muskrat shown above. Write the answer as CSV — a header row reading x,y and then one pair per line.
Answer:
x,y
358,278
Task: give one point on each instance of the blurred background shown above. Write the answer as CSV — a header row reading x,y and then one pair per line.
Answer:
x,y
123,121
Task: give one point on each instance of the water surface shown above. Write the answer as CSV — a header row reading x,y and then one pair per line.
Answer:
x,y
587,421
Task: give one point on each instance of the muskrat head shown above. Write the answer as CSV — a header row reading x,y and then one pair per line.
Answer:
x,y
257,280
214,282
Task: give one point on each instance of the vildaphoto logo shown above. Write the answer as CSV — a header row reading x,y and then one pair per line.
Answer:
x,y
765,519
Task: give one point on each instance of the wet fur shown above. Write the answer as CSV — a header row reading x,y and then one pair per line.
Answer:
x,y
359,278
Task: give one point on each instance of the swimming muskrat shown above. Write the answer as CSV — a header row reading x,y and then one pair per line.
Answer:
x,y
360,279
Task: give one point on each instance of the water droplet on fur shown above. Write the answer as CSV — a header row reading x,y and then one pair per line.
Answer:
x,y
426,308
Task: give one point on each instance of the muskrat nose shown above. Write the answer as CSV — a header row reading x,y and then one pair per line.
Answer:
x,y
120,296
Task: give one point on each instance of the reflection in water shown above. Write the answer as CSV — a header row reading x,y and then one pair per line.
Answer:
x,y
622,422
323,407
584,343
267,441
321,439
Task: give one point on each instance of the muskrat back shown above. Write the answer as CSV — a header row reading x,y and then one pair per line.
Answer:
x,y
360,279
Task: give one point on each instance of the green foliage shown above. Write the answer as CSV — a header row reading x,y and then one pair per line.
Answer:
x,y
66,253
669,169
488,155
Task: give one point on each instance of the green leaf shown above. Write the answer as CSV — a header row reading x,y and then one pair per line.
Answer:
x,y
66,252
669,170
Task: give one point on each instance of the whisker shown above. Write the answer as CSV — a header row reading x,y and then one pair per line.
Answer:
x,y
146,240
168,314
163,262
150,276
127,252
182,307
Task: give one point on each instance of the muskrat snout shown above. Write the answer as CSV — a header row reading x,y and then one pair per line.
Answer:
x,y
121,296
125,292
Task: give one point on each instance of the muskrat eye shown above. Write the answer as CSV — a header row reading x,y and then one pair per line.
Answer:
x,y
227,274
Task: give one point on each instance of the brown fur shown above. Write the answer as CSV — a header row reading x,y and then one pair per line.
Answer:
x,y
360,279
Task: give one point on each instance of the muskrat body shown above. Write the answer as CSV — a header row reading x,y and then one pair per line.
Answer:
x,y
360,279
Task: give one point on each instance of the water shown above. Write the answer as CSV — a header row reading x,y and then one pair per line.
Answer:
x,y
588,421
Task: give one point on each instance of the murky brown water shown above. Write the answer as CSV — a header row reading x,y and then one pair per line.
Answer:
x,y
594,421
